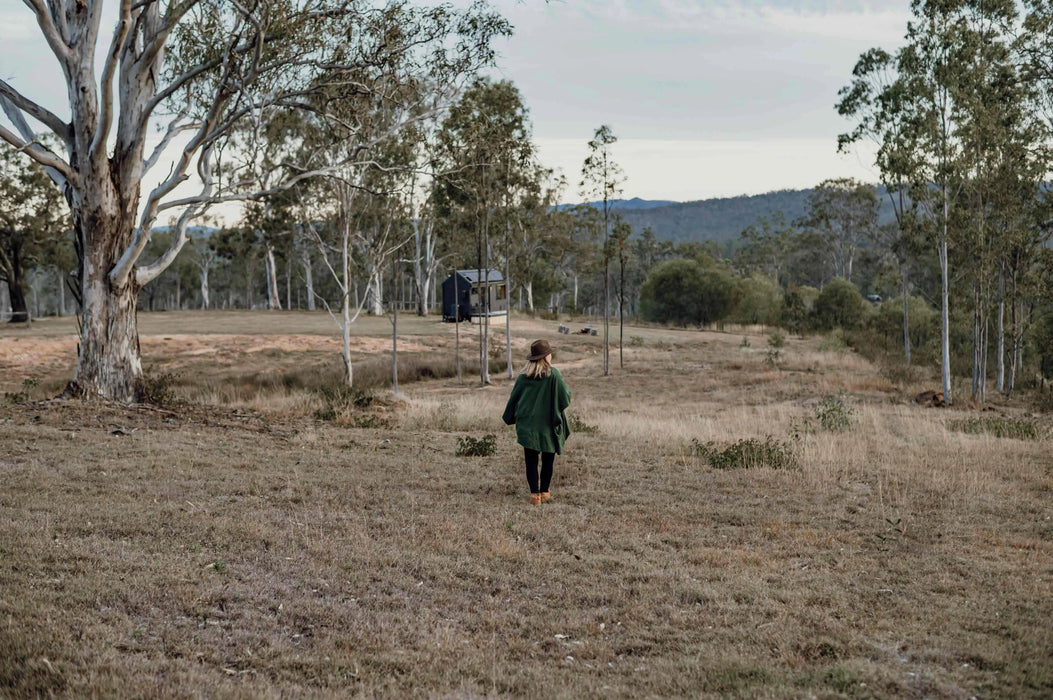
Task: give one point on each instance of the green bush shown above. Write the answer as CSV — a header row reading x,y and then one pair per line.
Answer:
x,y
23,395
577,425
839,305
159,389
756,300
999,426
684,292
749,453
833,413
468,446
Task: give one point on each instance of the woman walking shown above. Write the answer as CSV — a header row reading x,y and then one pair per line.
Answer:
x,y
538,407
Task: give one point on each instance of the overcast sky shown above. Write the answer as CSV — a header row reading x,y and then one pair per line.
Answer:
x,y
709,98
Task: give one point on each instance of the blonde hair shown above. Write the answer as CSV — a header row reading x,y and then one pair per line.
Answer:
x,y
537,369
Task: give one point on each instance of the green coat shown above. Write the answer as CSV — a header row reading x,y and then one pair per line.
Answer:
x,y
538,408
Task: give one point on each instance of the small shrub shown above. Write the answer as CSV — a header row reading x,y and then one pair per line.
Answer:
x,y
834,414
577,425
159,389
745,342
468,446
340,398
834,341
23,395
635,341
327,413
776,340
773,357
749,453
999,426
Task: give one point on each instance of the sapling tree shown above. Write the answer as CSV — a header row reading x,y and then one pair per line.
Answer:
x,y
601,182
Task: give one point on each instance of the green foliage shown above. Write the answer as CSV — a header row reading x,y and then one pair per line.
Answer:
x,y
839,305
468,446
757,300
159,389
834,341
749,453
776,340
923,322
577,425
685,292
793,312
999,426
22,395
834,413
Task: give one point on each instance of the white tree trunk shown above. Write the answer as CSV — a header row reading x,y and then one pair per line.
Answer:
x,y
273,301
204,287
345,306
308,273
375,293
906,313
529,286
945,310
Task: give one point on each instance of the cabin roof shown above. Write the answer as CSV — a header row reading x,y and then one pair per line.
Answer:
x,y
475,275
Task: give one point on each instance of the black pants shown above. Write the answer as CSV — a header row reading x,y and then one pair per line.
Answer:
x,y
547,460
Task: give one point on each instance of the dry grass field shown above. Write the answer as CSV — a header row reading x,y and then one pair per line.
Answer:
x,y
258,536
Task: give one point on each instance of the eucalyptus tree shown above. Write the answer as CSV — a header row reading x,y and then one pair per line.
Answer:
x,y
34,222
486,156
766,245
601,181
878,100
201,67
844,212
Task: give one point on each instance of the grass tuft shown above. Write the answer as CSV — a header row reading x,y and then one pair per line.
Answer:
x,y
999,426
485,446
749,453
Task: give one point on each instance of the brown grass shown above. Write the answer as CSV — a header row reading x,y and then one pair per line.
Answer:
x,y
245,549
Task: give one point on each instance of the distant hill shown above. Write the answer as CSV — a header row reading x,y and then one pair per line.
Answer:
x,y
622,205
715,219
720,219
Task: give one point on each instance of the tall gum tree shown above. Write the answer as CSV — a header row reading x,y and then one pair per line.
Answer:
x,y
196,69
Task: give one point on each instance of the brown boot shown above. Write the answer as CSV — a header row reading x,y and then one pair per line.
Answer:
x,y
545,496
535,499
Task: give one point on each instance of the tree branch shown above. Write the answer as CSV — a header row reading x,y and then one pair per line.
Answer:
x,y
56,39
58,169
102,128
12,98
174,129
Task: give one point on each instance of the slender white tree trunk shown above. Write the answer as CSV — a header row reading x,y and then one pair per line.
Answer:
x,y
529,287
1000,384
945,308
273,301
345,305
906,312
204,287
308,273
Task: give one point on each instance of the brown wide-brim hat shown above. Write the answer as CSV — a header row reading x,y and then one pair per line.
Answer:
x,y
539,350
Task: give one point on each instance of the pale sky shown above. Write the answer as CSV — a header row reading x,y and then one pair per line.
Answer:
x,y
709,98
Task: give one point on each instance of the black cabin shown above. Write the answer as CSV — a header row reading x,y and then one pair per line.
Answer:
x,y
473,288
